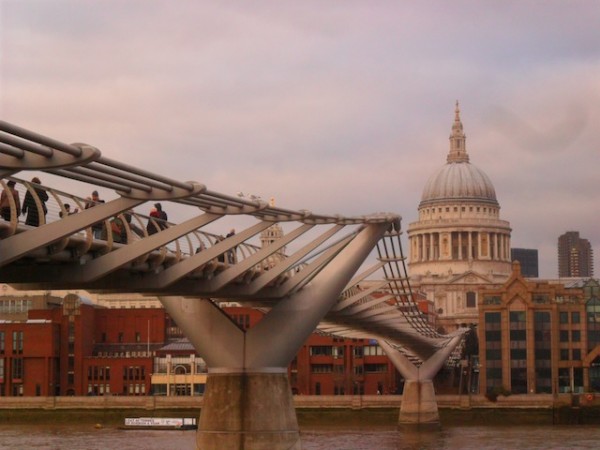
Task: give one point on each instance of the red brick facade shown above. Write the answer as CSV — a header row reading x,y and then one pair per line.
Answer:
x,y
79,349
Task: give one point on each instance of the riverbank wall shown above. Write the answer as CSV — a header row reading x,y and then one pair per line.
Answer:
x,y
314,410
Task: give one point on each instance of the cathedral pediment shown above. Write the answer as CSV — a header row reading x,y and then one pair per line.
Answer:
x,y
470,277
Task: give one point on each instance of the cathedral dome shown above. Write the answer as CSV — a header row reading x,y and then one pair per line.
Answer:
x,y
458,179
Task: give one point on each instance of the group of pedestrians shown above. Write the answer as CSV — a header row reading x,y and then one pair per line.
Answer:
x,y
29,207
157,221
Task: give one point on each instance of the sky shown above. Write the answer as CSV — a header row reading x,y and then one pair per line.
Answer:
x,y
338,107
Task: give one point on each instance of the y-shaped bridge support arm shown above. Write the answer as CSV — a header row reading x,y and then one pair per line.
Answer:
x,y
419,406
248,402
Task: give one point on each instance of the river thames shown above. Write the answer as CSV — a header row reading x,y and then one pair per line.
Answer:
x,y
86,437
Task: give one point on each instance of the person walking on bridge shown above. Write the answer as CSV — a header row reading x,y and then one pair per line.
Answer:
x,y
30,206
5,201
98,226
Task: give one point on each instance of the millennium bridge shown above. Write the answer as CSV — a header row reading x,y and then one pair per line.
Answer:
x,y
343,275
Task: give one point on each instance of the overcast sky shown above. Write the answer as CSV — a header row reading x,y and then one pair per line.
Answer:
x,y
332,106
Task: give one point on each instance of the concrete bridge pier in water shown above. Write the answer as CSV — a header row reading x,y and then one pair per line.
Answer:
x,y
419,407
248,402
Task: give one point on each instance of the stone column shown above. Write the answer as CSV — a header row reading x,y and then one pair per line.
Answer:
x,y
470,245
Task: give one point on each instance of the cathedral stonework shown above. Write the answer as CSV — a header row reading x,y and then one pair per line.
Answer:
x,y
459,243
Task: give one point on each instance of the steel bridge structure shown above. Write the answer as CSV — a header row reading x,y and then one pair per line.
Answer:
x,y
344,275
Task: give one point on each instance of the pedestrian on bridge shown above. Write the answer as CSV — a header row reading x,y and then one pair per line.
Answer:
x,y
153,227
30,206
5,201
162,215
91,202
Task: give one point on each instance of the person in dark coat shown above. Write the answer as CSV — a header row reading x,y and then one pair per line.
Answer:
x,y
162,215
5,210
98,227
153,225
30,207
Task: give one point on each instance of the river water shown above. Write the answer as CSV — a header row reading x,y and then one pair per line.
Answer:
x,y
86,437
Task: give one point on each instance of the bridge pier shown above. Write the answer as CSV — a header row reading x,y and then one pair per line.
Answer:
x,y
248,411
419,407
248,403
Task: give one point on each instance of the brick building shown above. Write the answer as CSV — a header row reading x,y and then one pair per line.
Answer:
x,y
540,337
74,347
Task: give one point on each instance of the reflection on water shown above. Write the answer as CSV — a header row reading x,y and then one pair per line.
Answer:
x,y
22,437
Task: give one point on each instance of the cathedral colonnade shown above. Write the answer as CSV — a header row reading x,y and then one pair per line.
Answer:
x,y
460,244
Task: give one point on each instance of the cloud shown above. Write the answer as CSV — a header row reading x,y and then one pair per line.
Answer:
x,y
333,107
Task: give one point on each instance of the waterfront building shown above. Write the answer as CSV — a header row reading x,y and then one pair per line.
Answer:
x,y
540,336
575,256
459,242
71,346
76,348
326,365
178,370
528,257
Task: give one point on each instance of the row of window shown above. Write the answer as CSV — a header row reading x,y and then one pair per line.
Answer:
x,y
15,306
336,352
338,368
121,337
17,342
17,370
99,373
462,208
134,373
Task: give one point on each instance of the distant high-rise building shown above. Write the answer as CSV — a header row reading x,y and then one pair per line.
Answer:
x,y
528,257
575,256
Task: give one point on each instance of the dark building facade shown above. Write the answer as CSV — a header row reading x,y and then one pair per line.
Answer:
x,y
71,347
575,256
540,337
528,257
76,348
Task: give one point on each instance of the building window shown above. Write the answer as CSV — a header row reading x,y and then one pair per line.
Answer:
x,y
321,368
373,350
493,339
564,380
1,342
564,354
17,345
564,336
120,337
370,368
563,317
17,368
321,350
576,354
576,336
593,319
138,336
575,317
471,300
542,344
